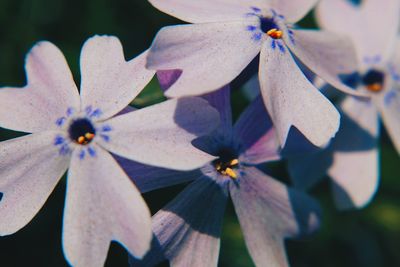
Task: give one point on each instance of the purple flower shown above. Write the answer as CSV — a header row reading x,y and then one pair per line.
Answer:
x,y
225,38
187,229
352,158
76,132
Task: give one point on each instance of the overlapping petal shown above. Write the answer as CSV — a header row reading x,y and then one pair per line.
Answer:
x,y
199,11
161,135
351,160
219,51
389,107
188,228
148,178
110,83
49,92
292,100
327,54
102,204
30,167
366,25
254,131
269,212
221,101
292,10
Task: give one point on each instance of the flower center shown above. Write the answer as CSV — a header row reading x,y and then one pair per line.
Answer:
x,y
374,80
81,131
269,27
226,163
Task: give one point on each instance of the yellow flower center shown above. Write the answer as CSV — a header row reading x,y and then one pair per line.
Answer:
x,y
275,33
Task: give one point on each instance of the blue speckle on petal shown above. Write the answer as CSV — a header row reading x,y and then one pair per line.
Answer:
x,y
355,2
257,36
59,140
1,196
82,154
281,47
273,44
70,111
64,150
106,128
88,110
92,151
251,28
256,9
60,121
389,97
105,137
96,113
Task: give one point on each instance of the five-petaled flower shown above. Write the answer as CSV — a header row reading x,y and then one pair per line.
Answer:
x,y
352,158
187,230
77,131
227,35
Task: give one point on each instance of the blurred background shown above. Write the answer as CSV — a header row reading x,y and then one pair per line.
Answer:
x,y
368,238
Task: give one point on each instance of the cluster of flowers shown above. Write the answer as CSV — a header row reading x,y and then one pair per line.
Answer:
x,y
105,144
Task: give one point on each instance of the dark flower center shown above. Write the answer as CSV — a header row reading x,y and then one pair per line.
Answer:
x,y
269,27
373,80
81,131
226,163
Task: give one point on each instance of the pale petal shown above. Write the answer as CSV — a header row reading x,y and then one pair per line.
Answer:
x,y
210,55
102,205
198,11
188,228
49,92
30,167
366,25
293,10
254,132
148,178
161,135
327,54
291,100
389,107
110,83
268,213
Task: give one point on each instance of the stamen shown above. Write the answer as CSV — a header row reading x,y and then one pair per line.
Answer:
x,y
374,80
275,33
230,173
226,166
81,131
376,87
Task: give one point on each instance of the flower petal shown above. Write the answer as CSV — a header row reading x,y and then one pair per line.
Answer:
x,y
268,212
199,11
293,10
254,131
47,96
210,55
110,83
328,55
102,204
188,228
292,100
389,107
30,167
221,101
148,178
351,160
366,25
161,135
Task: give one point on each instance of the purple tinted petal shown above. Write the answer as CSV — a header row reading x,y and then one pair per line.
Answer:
x,y
256,135
148,178
293,10
221,100
166,78
268,213
188,228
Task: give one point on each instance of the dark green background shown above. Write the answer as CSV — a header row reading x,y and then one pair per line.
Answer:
x,y
367,238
